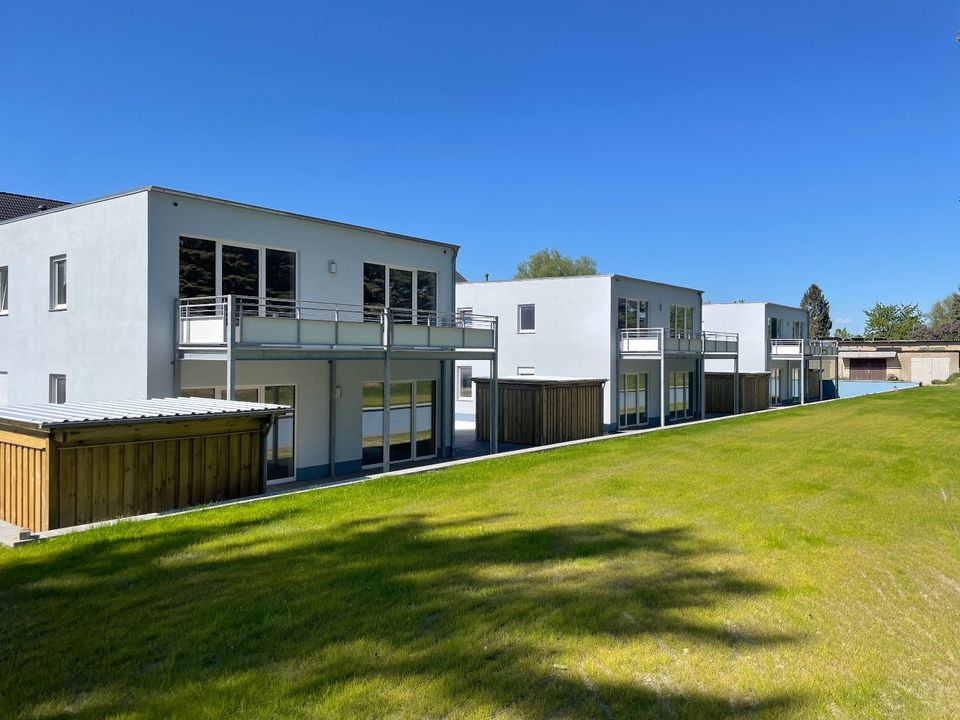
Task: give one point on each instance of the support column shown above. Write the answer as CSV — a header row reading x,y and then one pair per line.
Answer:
x,y
332,419
494,408
615,400
736,384
231,339
663,389
703,387
176,347
803,379
386,408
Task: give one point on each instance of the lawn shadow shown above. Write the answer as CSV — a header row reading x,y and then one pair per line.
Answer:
x,y
475,611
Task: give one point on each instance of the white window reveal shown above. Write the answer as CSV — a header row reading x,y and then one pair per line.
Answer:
x,y
58,282
4,389
526,318
465,383
526,370
58,389
4,290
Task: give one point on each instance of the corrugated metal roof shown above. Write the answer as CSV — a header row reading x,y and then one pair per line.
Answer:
x,y
97,413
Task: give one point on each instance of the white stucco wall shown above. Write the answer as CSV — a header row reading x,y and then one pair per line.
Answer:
x,y
750,320
100,341
576,328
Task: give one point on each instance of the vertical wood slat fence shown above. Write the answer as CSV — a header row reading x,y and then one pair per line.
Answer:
x,y
754,392
541,412
84,476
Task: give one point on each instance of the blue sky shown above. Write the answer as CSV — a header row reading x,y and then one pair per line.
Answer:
x,y
745,148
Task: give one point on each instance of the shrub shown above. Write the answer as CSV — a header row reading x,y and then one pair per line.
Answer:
x,y
892,377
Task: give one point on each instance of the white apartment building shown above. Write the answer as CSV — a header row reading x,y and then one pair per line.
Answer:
x,y
156,293
774,339
643,337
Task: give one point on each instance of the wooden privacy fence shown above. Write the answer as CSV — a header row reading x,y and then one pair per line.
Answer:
x,y
535,411
754,392
61,478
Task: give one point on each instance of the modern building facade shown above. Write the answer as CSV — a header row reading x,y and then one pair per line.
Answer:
x,y
774,339
157,293
643,337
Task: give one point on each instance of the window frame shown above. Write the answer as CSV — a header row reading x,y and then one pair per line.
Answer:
x,y
415,310
520,329
386,394
680,317
4,290
56,274
526,371
460,372
52,382
642,306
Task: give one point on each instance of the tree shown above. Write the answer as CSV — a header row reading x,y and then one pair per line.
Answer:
x,y
550,263
892,322
945,310
842,334
818,311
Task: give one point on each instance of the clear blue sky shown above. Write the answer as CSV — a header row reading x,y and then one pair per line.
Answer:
x,y
746,148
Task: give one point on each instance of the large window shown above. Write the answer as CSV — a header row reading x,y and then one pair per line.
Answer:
x,y
797,327
631,314
633,399
775,386
411,294
4,290
412,421
465,383
209,268
795,384
58,389
58,282
774,328
681,321
680,395
526,318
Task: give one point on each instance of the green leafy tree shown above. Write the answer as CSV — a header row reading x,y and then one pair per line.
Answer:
x,y
842,334
818,311
550,263
945,311
893,322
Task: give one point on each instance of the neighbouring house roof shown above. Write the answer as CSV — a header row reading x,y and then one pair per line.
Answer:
x,y
44,417
460,278
542,379
13,205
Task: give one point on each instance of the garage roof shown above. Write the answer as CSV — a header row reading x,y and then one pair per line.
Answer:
x,y
869,354
107,413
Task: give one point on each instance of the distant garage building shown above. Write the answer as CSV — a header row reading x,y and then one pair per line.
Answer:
x,y
536,410
907,361
76,463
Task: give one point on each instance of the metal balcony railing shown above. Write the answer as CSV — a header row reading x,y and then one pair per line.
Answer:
x,y
262,322
654,341
787,348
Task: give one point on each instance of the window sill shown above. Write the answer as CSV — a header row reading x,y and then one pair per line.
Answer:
x,y
58,309
526,332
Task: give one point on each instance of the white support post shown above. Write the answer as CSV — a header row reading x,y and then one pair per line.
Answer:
x,y
663,387
176,347
386,408
332,419
616,383
703,387
803,379
231,339
494,409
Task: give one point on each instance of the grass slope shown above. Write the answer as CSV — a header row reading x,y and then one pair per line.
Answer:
x,y
800,564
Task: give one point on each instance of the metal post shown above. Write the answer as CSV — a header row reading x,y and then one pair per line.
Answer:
x,y
386,409
264,434
703,388
803,377
231,339
332,419
176,347
494,397
615,385
663,384
736,384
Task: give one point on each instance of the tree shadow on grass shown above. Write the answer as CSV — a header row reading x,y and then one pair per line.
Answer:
x,y
393,616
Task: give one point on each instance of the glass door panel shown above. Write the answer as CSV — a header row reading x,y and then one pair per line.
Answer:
x,y
281,462
401,295
426,297
240,271
426,418
401,422
372,424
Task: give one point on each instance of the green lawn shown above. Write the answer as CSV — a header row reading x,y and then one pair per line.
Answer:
x,y
801,564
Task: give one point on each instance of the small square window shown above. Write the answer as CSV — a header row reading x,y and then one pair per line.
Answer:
x,y
58,389
4,290
58,282
526,318
465,383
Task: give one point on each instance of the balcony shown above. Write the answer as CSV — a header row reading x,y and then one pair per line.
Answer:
x,y
265,323
794,349
652,342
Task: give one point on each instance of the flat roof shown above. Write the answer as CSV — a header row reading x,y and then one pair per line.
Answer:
x,y
233,203
43,417
542,379
757,302
615,276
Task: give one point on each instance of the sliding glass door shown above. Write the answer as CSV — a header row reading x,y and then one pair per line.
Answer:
x,y
411,294
412,420
633,399
680,395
